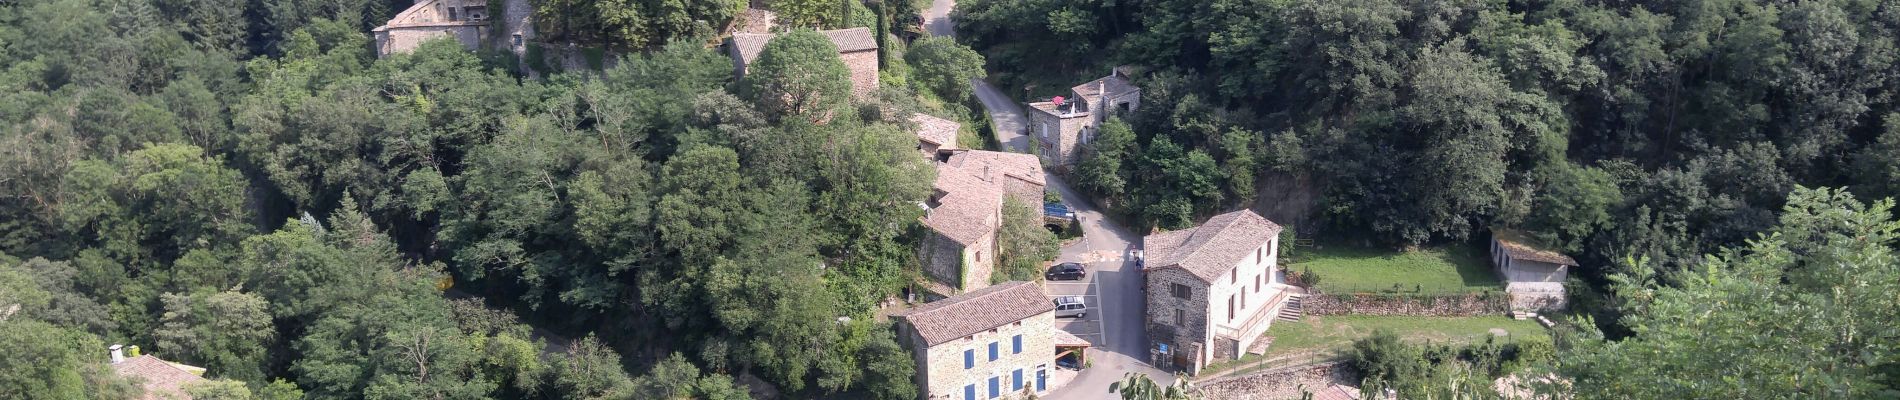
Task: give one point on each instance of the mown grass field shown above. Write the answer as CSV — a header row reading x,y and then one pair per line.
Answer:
x,y
1454,269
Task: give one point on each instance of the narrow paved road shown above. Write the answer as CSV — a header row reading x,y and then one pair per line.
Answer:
x,y
1105,246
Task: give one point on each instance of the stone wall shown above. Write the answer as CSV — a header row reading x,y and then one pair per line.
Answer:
x,y
404,39
942,375
863,66
1454,305
1279,383
1162,306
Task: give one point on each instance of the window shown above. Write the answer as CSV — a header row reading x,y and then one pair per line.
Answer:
x,y
1045,130
1180,317
1230,308
1259,255
969,392
1256,284
992,351
1016,380
969,359
1243,299
1180,291
1016,344
1233,275
996,387
452,16
979,256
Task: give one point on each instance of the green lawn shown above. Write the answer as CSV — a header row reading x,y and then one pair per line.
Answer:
x,y
1317,333
1317,338
1455,269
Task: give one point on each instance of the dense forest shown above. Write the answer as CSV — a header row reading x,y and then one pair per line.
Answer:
x,y
245,187
1653,140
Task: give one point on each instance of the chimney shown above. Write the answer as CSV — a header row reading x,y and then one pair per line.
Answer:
x,y
118,356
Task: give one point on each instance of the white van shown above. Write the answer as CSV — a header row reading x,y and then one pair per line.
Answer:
x,y
1071,306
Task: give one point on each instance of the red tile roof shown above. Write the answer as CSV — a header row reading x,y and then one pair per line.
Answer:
x,y
976,311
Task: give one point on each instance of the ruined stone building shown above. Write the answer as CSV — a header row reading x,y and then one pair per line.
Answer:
x,y
464,20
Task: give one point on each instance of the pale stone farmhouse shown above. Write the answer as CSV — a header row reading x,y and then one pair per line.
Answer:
x,y
1533,275
1060,127
464,20
999,341
161,379
1212,290
856,46
934,134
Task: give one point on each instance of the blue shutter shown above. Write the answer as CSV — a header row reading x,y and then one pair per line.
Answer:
x,y
1016,380
995,387
969,359
993,351
1017,344
969,392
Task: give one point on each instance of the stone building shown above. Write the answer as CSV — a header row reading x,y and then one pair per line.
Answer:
x,y
1020,175
1061,125
997,342
856,46
1212,290
161,379
934,134
1533,274
963,214
464,20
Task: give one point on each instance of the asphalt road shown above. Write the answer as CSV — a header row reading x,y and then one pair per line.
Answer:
x,y
1114,321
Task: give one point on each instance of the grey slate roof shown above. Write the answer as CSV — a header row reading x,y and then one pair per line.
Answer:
x,y
976,311
1210,250
748,45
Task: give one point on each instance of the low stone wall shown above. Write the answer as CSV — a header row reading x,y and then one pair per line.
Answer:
x,y
1279,383
1452,305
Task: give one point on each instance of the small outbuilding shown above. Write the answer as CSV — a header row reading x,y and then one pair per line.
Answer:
x,y
1533,273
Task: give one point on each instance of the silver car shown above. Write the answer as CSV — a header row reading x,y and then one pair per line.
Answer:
x,y
1071,306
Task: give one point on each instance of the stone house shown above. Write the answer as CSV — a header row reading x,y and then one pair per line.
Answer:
x,y
1533,274
161,379
1061,126
963,214
934,134
997,342
1212,290
856,46
1020,175
464,20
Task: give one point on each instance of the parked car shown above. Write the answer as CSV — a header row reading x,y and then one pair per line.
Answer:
x,y
1067,271
1068,363
1071,306
1057,214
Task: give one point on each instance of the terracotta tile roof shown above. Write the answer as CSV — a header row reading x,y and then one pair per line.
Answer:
x,y
1116,84
1066,339
1519,246
976,311
1210,250
991,165
853,39
161,379
749,45
967,208
938,131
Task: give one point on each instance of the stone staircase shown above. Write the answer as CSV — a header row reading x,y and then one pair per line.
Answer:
x,y
1293,310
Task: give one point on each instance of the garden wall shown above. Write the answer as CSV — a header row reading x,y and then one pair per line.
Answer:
x,y
1280,383
1419,305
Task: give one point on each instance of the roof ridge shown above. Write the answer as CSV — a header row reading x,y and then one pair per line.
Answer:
x,y
1197,232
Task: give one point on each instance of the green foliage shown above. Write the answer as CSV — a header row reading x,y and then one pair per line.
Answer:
x,y
944,68
631,24
798,74
227,333
1137,386
1766,317
1023,245
49,362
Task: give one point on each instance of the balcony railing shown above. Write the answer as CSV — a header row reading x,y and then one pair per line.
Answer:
x,y
1263,316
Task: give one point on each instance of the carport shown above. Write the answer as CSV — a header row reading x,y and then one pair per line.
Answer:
x,y
1067,343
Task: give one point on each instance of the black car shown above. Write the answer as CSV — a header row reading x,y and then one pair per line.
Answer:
x,y
1066,272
